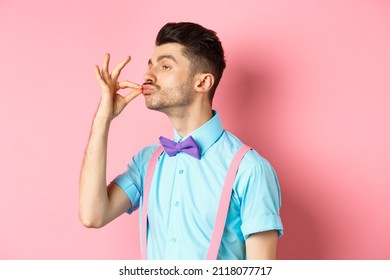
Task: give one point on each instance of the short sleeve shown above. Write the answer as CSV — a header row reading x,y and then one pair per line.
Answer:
x,y
132,180
259,195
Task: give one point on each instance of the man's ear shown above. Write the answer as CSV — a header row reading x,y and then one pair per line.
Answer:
x,y
204,82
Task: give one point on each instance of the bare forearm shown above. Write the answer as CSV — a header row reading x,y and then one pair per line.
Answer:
x,y
262,245
99,204
93,187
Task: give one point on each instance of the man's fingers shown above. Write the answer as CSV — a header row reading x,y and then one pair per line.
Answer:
x,y
119,67
99,77
98,74
132,94
106,79
136,90
105,71
128,84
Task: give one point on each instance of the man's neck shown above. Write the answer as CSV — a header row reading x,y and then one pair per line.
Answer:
x,y
187,121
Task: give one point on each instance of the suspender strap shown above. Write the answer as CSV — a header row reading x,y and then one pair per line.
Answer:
x,y
222,209
145,203
220,221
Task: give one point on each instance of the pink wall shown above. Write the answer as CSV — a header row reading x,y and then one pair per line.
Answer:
x,y
307,85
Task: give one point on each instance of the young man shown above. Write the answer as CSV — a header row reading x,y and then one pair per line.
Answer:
x,y
183,74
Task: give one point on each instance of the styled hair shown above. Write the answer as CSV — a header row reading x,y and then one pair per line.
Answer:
x,y
200,45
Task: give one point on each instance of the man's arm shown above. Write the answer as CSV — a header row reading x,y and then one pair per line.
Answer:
x,y
100,204
261,245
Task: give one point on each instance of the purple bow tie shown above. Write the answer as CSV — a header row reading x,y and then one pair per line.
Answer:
x,y
188,146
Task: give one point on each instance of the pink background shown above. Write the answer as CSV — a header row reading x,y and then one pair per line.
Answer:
x,y
307,85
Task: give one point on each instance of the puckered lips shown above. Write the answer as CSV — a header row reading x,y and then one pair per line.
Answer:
x,y
147,89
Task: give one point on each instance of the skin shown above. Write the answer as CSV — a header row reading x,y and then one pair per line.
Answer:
x,y
169,87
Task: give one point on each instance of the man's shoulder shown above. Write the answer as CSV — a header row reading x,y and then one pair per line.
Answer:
x,y
252,159
229,141
142,157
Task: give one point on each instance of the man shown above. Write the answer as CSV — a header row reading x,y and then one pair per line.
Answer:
x,y
183,74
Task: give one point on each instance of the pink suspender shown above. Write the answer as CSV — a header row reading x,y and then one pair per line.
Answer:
x,y
145,203
224,203
222,208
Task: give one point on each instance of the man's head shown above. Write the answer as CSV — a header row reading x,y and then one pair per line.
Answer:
x,y
200,45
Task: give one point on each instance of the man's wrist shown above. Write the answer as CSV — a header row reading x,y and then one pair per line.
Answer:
x,y
102,119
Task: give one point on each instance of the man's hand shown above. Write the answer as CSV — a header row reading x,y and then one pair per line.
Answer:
x,y
98,204
112,103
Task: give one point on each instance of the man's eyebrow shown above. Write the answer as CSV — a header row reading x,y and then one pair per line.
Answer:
x,y
161,57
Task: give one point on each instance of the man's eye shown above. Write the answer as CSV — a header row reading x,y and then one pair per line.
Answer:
x,y
166,67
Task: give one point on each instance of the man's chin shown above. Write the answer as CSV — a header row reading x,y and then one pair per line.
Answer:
x,y
153,107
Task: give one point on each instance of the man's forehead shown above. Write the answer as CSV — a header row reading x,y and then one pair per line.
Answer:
x,y
171,51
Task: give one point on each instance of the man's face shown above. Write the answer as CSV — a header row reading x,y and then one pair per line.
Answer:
x,y
168,82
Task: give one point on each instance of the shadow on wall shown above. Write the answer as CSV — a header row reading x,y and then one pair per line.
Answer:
x,y
255,94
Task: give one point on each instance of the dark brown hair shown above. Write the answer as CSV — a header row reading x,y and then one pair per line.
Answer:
x,y
201,46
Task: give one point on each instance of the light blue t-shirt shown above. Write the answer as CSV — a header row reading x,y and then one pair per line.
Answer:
x,y
185,192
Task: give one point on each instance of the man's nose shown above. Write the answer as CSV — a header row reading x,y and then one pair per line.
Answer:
x,y
149,76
